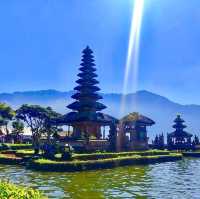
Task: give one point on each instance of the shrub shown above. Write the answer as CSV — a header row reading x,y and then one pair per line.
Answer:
x,y
66,156
9,191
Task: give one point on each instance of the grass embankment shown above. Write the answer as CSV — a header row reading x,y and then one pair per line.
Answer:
x,y
9,154
77,165
11,191
10,159
97,156
15,146
192,154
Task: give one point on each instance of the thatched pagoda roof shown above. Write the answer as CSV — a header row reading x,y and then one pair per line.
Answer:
x,y
101,118
179,126
178,119
182,134
86,97
137,118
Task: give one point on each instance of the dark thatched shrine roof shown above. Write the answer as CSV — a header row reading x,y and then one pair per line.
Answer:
x,y
182,134
183,126
179,126
137,118
78,105
179,119
75,117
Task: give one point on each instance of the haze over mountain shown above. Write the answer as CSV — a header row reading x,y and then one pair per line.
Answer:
x,y
159,108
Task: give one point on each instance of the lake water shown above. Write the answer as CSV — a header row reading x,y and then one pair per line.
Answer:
x,y
169,180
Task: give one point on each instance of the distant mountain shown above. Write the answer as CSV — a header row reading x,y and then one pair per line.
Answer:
x,y
157,107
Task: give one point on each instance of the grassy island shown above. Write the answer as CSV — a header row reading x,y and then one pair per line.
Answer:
x,y
84,161
104,163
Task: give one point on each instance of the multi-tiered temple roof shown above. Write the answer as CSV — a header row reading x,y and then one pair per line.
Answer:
x,y
86,106
86,95
179,139
179,127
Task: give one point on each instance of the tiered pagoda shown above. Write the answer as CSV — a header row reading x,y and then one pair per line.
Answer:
x,y
179,139
86,118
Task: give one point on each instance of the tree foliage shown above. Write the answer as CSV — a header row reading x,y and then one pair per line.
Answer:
x,y
33,116
6,114
40,120
51,123
18,128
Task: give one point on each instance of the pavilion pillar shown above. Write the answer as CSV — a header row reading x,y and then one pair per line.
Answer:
x,y
68,131
120,137
104,133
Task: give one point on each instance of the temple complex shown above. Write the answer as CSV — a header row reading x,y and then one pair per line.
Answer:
x,y
132,133
179,139
88,122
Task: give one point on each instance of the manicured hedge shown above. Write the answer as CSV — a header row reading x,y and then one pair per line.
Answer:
x,y
96,156
49,165
11,191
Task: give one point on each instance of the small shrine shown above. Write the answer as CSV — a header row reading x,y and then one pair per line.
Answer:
x,y
179,139
132,133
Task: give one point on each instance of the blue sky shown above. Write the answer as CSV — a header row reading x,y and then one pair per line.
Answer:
x,y
41,43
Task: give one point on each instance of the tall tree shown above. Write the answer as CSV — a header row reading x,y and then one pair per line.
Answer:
x,y
6,115
51,123
40,120
34,116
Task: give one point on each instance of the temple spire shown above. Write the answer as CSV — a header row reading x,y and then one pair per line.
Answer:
x,y
86,96
179,124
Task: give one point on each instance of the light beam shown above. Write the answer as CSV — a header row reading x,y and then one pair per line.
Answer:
x,y
132,61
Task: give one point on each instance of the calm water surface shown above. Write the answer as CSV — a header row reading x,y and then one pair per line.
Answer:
x,y
171,180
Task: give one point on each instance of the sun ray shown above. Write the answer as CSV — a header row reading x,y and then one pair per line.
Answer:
x,y
132,61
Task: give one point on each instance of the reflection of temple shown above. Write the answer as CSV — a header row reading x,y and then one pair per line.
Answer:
x,y
132,133
179,139
86,119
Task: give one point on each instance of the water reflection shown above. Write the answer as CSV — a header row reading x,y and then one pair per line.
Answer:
x,y
167,180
